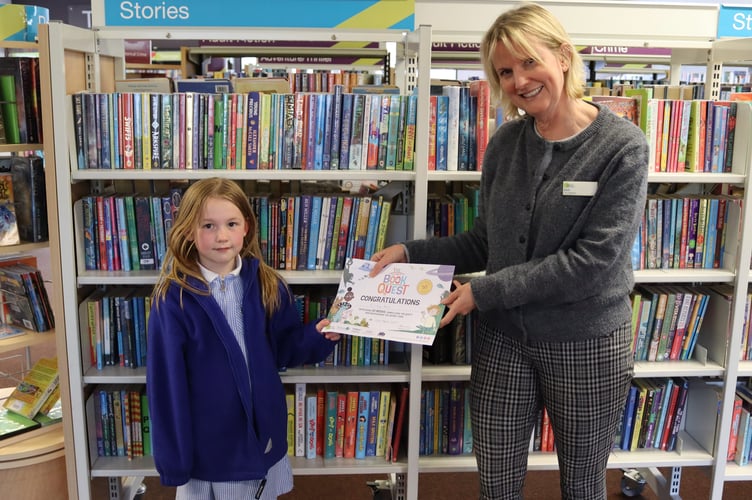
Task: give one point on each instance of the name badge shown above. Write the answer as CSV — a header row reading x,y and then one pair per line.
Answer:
x,y
579,188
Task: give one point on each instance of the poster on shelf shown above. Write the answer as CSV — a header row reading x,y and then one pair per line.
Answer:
x,y
402,302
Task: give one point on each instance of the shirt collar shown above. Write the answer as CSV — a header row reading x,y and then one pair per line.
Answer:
x,y
210,276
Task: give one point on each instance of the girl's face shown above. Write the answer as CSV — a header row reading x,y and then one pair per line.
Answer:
x,y
219,235
535,87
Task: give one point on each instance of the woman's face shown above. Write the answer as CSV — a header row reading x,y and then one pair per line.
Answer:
x,y
534,87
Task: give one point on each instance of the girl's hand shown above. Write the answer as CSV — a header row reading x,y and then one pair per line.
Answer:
x,y
333,336
389,255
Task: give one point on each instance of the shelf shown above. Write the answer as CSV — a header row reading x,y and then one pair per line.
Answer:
x,y
690,454
269,175
150,277
144,466
735,472
352,374
683,276
29,339
22,248
17,148
330,466
39,447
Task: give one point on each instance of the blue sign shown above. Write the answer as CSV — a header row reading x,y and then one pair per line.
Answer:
x,y
355,14
734,22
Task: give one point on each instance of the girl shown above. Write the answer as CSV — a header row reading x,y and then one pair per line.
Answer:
x,y
222,324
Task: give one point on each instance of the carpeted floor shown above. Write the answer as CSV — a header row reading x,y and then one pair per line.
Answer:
x,y
463,486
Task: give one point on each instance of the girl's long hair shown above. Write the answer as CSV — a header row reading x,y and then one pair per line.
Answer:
x,y
181,258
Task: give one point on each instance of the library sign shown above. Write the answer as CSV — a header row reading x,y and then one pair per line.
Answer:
x,y
354,14
734,22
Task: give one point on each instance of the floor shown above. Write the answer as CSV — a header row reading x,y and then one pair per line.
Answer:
x,y
540,485
463,486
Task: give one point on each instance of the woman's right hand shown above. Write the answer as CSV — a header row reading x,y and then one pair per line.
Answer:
x,y
389,255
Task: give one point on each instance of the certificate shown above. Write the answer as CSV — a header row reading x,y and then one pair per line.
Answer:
x,y
400,303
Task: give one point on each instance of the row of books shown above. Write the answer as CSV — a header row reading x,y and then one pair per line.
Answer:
x,y
454,213
653,414
745,352
350,350
691,136
740,436
257,130
459,126
114,326
25,302
124,232
453,342
682,232
334,422
33,403
445,419
320,231
20,100
666,321
122,421
542,438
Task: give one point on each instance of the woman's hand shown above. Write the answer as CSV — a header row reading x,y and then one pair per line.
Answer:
x,y
389,255
459,301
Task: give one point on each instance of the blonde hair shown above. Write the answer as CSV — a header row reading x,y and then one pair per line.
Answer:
x,y
518,29
181,258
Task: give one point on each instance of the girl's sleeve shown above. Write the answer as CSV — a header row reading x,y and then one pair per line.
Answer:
x,y
167,393
294,342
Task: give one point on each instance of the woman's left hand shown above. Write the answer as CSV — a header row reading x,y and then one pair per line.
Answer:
x,y
459,301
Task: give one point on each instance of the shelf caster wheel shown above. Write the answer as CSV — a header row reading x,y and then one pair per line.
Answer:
x,y
381,489
632,483
140,492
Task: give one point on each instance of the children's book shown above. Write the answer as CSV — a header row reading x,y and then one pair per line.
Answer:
x,y
37,385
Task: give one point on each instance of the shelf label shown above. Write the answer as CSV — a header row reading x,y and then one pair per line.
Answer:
x,y
352,14
734,21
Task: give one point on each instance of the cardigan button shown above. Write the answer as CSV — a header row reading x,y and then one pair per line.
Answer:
x,y
528,207
522,239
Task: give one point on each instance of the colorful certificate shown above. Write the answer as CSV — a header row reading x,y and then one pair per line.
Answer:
x,y
400,303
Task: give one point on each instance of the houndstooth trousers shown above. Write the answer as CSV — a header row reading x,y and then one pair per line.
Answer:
x,y
583,386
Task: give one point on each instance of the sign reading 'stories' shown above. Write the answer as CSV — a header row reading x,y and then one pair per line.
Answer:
x,y
353,14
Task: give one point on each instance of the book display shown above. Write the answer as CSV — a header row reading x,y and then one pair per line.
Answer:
x,y
22,149
107,274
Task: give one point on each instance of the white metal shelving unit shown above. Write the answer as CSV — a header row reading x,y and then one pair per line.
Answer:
x,y
89,60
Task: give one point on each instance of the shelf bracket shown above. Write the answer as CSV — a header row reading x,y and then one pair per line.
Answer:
x,y
663,488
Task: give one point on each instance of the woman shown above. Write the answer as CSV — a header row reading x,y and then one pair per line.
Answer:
x,y
562,192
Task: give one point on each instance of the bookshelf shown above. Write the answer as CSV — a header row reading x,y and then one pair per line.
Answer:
x,y
40,449
73,52
690,32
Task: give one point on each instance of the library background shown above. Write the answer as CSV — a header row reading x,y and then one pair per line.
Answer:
x,y
107,116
